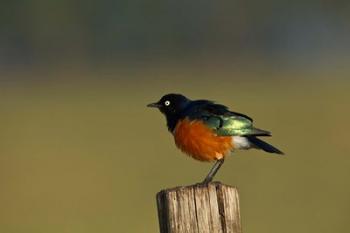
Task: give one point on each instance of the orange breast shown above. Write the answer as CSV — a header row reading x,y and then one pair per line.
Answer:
x,y
200,142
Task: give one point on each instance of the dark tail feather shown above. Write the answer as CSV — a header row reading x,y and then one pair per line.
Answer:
x,y
264,145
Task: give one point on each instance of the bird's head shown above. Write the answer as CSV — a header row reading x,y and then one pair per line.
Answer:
x,y
171,104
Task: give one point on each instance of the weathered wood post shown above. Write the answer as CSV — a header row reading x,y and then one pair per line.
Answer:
x,y
212,208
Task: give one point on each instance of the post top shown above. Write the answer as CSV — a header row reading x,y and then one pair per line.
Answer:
x,y
214,184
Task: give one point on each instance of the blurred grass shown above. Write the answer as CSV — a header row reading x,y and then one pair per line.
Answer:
x,y
80,152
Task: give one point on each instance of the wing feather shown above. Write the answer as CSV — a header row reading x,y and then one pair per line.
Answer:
x,y
224,121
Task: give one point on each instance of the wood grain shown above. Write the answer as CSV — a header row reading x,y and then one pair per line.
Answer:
x,y
211,208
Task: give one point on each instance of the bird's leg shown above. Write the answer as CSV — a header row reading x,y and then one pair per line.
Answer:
x,y
213,171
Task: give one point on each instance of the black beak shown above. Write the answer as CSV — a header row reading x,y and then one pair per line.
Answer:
x,y
154,105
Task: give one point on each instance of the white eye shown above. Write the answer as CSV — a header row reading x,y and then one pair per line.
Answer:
x,y
167,103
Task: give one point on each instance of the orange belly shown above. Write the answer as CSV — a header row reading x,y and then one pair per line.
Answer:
x,y
200,142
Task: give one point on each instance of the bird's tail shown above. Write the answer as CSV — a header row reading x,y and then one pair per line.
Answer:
x,y
260,144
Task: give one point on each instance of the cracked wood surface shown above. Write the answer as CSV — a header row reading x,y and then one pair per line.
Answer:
x,y
212,208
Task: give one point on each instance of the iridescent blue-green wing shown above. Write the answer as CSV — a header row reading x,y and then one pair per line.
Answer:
x,y
227,123
233,126
218,109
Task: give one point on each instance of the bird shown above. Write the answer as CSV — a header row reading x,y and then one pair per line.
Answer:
x,y
208,131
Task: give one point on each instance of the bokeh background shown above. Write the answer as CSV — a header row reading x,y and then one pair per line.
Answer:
x,y
80,152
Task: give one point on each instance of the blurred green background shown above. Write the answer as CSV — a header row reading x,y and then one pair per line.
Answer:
x,y
80,152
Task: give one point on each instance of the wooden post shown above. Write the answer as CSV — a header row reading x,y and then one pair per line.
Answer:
x,y
212,208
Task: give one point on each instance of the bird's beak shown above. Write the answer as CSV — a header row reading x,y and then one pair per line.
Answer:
x,y
154,105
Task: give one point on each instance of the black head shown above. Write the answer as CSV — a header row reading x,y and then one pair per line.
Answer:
x,y
171,105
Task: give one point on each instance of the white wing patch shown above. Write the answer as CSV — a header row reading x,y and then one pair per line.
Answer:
x,y
241,142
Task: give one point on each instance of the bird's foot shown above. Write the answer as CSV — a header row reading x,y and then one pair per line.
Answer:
x,y
206,181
